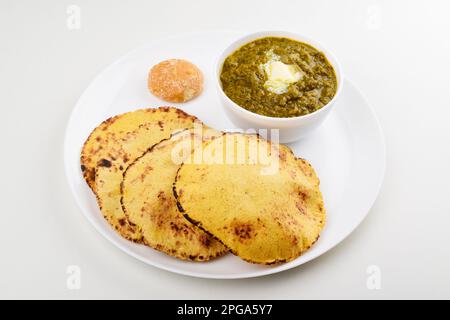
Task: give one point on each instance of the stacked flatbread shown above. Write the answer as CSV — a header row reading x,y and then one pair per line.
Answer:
x,y
165,180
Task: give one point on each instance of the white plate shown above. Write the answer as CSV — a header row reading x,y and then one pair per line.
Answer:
x,y
347,151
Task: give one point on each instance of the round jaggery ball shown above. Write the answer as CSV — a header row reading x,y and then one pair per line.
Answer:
x,y
175,80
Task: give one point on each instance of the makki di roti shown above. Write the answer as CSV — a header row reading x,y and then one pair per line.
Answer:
x,y
263,216
116,143
105,141
278,77
163,179
148,202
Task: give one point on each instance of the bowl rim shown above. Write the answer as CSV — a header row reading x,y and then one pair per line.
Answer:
x,y
247,38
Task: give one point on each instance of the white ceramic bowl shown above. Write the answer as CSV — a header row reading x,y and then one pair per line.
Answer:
x,y
290,129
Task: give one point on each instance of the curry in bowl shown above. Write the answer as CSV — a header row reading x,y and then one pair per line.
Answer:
x,y
278,77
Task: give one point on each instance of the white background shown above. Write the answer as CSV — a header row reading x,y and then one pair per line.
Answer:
x,y
397,52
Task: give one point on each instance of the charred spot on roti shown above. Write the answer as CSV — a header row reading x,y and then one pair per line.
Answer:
x,y
243,231
104,163
161,195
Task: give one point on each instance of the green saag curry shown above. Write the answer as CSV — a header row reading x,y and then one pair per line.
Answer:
x,y
278,77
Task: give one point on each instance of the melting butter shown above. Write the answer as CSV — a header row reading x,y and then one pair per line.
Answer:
x,y
279,75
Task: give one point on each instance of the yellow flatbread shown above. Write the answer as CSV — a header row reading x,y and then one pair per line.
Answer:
x,y
116,143
148,202
256,197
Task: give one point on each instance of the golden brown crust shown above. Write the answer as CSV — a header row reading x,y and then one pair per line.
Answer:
x,y
90,147
245,230
175,80
113,145
148,202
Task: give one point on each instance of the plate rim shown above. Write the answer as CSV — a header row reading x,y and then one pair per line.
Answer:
x,y
253,274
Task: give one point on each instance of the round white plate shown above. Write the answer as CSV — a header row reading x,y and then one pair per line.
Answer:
x,y
347,151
